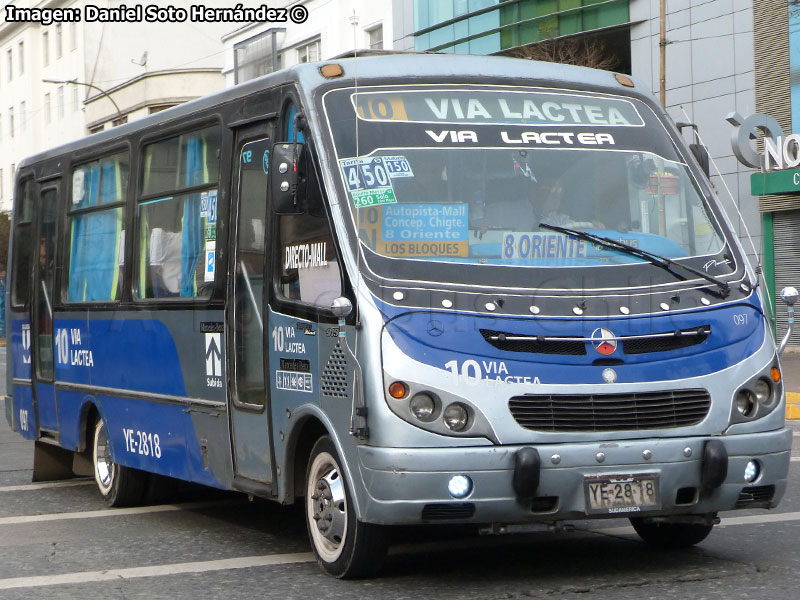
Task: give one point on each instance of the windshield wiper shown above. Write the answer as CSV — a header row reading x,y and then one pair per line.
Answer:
x,y
655,259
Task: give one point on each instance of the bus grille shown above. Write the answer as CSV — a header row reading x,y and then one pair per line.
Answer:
x,y
756,497
665,344
576,348
610,412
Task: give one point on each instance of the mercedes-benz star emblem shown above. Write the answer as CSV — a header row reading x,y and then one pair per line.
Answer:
x,y
603,341
435,328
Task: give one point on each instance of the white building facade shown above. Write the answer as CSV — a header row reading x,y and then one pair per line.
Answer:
x,y
61,81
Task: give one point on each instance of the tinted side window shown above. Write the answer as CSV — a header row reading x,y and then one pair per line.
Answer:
x,y
96,229
182,161
177,232
23,244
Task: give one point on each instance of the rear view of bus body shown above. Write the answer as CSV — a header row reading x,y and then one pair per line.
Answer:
x,y
495,292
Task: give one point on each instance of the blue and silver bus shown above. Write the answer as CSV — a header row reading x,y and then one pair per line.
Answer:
x,y
400,290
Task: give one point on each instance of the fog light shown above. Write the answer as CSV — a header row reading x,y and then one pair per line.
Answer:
x,y
751,471
746,403
460,486
763,391
455,417
423,407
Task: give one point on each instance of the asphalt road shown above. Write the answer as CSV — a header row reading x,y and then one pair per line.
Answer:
x,y
58,540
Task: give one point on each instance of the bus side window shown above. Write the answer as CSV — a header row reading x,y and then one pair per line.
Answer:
x,y
95,225
23,245
177,231
309,269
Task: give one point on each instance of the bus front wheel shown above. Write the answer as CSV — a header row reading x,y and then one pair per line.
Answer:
x,y
344,547
119,485
671,535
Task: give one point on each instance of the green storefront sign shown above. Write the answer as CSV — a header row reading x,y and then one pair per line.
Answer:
x,y
775,182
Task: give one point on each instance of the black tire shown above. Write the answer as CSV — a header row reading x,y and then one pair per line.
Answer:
x,y
671,535
118,485
344,547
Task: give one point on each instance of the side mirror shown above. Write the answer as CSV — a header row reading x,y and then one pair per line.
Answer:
x,y
789,295
341,307
701,154
288,178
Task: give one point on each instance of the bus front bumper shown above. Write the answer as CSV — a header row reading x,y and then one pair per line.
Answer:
x,y
410,485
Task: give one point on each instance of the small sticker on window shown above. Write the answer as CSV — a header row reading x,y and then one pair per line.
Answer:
x,y
398,166
77,186
208,206
211,256
368,180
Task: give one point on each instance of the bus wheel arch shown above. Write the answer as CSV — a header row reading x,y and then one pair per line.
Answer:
x,y
298,450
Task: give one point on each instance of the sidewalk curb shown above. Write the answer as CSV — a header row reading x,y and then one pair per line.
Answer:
x,y
793,405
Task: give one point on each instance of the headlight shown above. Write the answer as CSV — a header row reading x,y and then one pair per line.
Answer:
x,y
423,407
746,403
763,391
456,417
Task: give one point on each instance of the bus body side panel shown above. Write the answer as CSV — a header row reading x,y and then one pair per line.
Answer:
x,y
294,377
157,379
21,410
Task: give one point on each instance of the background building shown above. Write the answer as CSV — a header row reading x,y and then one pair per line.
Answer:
x,y
62,81
333,27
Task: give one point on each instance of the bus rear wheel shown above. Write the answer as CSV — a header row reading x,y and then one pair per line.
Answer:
x,y
344,547
118,485
671,535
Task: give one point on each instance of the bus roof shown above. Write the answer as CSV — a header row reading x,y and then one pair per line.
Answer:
x,y
371,66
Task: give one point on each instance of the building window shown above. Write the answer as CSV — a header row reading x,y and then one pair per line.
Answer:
x,y
120,121
156,109
97,129
46,108
308,52
22,116
13,172
73,35
256,56
10,65
11,121
75,99
59,41
45,48
60,101
21,58
375,38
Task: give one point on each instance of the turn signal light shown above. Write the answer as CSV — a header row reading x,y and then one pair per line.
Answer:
x,y
398,390
775,373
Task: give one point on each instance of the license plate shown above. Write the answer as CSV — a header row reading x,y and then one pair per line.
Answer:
x,y
621,494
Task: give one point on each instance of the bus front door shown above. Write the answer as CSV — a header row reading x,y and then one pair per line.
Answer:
x,y
249,406
42,314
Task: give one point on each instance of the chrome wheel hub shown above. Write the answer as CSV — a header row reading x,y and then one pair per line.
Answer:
x,y
329,507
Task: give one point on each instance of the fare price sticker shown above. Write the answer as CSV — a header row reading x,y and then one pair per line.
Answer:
x,y
368,180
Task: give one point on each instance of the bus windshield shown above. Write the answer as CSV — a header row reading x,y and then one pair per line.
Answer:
x,y
467,176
